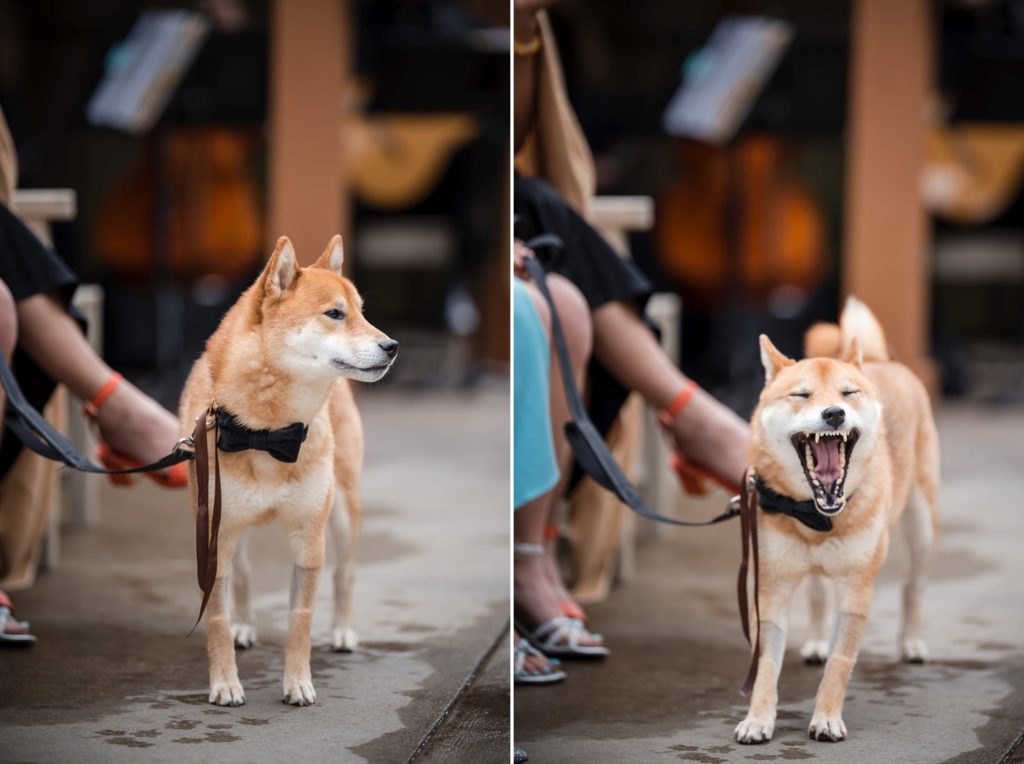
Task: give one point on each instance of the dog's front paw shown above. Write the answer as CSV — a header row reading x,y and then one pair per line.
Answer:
x,y
914,650
244,635
345,640
752,730
814,652
227,694
299,692
828,729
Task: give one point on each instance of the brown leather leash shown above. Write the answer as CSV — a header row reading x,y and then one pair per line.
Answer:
x,y
748,530
207,524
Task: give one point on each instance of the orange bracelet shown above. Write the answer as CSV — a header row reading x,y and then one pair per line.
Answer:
x,y
92,406
671,411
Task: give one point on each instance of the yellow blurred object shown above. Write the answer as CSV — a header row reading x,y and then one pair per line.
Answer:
x,y
973,171
398,159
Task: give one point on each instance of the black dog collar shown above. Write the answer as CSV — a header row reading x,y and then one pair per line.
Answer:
x,y
804,511
283,444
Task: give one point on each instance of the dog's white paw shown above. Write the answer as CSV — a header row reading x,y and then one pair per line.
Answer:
x,y
299,692
814,652
345,640
914,650
244,635
752,730
829,729
227,694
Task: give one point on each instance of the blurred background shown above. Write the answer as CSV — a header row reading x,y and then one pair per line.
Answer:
x,y
193,134
878,154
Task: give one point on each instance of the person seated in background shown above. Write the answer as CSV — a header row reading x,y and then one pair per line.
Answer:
x,y
44,346
542,466
552,188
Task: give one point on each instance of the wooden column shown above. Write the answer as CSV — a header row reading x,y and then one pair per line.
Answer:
x,y
886,238
310,66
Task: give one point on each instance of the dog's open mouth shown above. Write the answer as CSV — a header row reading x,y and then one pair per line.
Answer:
x,y
825,457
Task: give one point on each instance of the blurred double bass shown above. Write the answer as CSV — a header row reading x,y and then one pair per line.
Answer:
x,y
738,224
191,201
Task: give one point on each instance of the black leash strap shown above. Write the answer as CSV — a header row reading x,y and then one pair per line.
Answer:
x,y
586,442
32,429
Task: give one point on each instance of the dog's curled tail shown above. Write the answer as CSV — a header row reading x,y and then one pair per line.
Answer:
x,y
833,340
858,321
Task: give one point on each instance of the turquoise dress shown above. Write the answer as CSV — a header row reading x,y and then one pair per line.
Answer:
x,y
535,471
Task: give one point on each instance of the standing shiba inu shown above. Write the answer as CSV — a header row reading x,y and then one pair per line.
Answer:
x,y
853,433
279,357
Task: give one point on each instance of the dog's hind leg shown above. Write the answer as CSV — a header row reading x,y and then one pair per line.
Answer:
x,y
815,648
344,530
225,689
243,627
919,530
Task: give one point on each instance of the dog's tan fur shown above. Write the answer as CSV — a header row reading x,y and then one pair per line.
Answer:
x,y
279,357
893,476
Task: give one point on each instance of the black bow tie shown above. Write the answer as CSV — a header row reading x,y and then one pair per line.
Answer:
x,y
283,444
804,511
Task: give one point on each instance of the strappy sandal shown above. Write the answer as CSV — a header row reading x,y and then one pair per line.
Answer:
x,y
18,635
548,675
175,476
692,476
560,636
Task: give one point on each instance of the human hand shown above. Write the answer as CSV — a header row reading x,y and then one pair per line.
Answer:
x,y
519,255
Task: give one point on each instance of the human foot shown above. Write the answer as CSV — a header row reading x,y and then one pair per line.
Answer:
x,y
553,576
532,666
537,603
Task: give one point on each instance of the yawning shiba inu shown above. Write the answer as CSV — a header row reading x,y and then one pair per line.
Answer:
x,y
850,433
277,360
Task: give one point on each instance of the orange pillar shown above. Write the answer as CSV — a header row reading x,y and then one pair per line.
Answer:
x,y
310,65
886,260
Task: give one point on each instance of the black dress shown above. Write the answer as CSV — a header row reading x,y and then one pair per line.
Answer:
x,y
594,267
28,267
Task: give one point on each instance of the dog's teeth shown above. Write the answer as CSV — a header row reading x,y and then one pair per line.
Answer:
x,y
817,437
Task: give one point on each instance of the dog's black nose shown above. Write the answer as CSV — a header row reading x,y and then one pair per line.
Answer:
x,y
834,415
389,346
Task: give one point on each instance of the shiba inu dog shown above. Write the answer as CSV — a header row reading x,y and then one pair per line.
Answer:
x,y
281,356
851,431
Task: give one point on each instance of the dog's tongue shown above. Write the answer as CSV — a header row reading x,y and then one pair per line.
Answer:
x,y
826,457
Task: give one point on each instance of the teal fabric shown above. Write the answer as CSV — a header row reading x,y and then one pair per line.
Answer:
x,y
535,471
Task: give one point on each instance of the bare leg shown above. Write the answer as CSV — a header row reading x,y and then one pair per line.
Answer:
x,y
130,421
243,629
225,689
759,725
815,648
706,431
344,529
920,534
538,588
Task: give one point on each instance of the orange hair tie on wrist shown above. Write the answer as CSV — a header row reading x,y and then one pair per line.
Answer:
x,y
672,410
92,406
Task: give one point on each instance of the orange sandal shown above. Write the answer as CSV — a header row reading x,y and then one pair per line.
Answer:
x,y
693,477
175,476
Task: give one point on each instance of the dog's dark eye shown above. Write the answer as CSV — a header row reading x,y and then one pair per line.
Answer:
x,y
799,395
334,314
848,393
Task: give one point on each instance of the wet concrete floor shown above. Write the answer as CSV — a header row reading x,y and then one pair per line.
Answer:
x,y
115,678
669,691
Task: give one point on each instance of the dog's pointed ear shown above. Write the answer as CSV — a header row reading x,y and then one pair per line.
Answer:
x,y
772,359
854,354
282,270
333,257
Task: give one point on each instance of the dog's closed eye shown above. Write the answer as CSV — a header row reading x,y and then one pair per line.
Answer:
x,y
848,393
799,395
